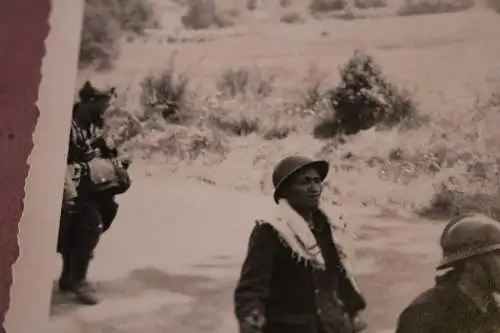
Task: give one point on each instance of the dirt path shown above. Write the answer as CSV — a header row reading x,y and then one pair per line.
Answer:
x,y
170,262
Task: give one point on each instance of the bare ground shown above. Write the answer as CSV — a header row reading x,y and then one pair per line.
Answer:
x,y
170,262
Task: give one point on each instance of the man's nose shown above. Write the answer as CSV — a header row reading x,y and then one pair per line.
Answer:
x,y
315,188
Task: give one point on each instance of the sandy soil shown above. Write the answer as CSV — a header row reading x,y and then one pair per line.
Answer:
x,y
170,262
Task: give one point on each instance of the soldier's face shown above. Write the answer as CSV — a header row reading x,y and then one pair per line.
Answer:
x,y
98,106
305,189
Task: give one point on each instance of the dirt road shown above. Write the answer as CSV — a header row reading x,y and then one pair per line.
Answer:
x,y
170,262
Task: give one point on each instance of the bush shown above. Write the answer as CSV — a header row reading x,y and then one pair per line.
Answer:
x,y
292,18
135,16
237,125
251,5
322,6
495,5
422,7
364,4
99,44
166,94
202,14
243,81
449,202
312,96
104,23
365,99
187,143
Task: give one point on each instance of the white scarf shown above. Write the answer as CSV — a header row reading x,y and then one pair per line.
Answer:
x,y
295,232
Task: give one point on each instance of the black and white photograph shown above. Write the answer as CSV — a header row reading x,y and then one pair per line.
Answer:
x,y
291,166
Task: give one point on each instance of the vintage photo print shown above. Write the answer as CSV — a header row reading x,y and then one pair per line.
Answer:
x,y
37,81
282,166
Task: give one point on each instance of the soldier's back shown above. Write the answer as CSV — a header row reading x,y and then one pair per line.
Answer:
x,y
446,309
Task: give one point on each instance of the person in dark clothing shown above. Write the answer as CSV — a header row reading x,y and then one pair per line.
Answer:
x,y
85,215
295,276
463,298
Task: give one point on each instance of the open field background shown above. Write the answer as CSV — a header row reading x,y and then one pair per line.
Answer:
x,y
205,113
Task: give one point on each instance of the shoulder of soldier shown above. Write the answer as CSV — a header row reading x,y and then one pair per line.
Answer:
x,y
264,230
421,312
263,226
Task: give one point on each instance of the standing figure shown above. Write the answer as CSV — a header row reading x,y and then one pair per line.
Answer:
x,y
463,298
295,276
85,213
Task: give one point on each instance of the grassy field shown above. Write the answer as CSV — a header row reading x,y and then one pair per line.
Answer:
x,y
448,62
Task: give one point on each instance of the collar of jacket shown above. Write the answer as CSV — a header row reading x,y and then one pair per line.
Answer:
x,y
483,303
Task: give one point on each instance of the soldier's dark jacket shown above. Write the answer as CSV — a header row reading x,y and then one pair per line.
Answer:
x,y
83,232
446,308
292,296
80,148
85,144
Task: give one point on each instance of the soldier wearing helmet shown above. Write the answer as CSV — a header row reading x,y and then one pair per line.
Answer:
x,y
463,298
84,214
295,277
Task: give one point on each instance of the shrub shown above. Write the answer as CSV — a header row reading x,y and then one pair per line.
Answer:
x,y
183,143
312,96
365,99
104,23
238,125
121,125
242,81
202,14
322,6
495,5
448,202
364,4
99,44
422,7
278,132
251,5
292,18
166,94
135,16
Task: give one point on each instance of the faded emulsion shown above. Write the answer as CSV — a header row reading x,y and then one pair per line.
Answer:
x,y
312,166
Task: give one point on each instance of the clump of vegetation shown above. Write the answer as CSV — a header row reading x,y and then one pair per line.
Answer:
x,y
104,24
495,5
365,4
325,6
242,116
99,44
135,16
203,14
291,18
237,125
366,99
251,5
423,7
187,143
243,81
312,97
449,201
166,94
285,3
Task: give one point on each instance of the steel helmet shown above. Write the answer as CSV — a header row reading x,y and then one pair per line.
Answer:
x,y
290,165
468,236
